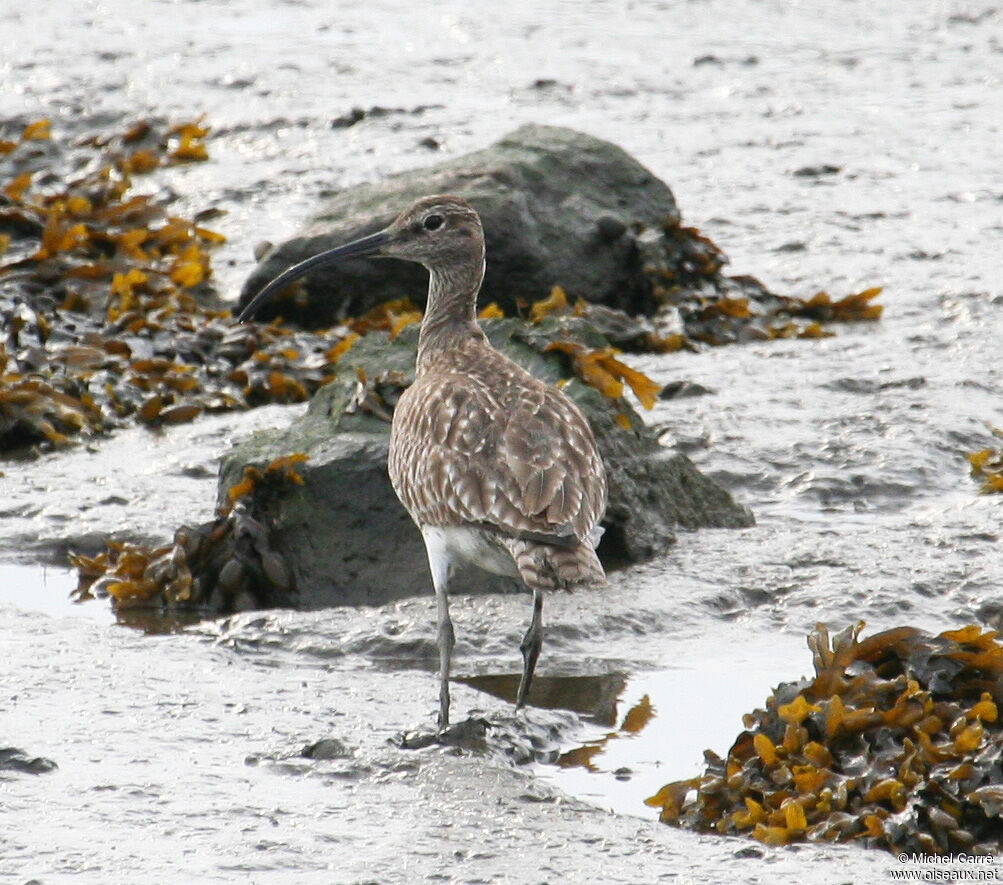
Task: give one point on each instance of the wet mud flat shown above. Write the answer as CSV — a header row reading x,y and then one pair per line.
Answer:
x,y
258,749
858,154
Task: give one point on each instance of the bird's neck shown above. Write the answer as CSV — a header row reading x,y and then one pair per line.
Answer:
x,y
451,313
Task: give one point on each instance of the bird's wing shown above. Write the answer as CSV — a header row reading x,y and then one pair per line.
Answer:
x,y
510,453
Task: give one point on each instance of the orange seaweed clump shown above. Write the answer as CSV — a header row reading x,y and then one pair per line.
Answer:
x,y
987,466
791,314
597,367
125,572
187,142
279,470
602,370
31,406
390,316
729,307
556,302
118,263
895,743
822,307
133,331
491,312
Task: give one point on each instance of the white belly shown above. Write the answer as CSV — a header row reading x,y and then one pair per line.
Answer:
x,y
475,546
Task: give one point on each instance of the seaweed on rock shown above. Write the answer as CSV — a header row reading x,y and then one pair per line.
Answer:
x,y
229,564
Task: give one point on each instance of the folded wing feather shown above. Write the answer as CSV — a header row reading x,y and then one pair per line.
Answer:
x,y
516,456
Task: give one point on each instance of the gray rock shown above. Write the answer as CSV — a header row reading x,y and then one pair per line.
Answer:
x,y
326,748
558,207
14,759
348,540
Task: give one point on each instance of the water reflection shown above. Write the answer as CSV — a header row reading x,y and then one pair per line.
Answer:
x,y
155,621
634,722
56,592
643,729
597,699
592,697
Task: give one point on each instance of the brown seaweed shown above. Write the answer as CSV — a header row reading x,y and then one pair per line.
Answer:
x,y
896,743
110,314
229,564
987,466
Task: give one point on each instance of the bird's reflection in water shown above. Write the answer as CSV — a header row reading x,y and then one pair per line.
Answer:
x,y
593,697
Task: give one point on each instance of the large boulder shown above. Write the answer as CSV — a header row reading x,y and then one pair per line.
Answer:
x,y
558,207
347,540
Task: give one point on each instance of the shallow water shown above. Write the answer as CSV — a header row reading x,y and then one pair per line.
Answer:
x,y
179,754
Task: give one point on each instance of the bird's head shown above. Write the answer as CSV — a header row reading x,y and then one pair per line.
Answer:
x,y
441,232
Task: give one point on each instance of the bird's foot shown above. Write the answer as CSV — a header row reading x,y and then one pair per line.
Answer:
x,y
469,734
465,733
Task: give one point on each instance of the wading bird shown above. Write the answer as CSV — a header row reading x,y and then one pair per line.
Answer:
x,y
495,467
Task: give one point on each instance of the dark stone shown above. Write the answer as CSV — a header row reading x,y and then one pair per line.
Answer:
x,y
558,207
817,171
469,734
349,119
357,114
683,390
326,748
791,246
348,540
13,759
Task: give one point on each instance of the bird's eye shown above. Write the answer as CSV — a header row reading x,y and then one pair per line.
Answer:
x,y
433,222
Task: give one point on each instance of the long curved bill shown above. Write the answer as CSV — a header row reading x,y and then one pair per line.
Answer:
x,y
366,246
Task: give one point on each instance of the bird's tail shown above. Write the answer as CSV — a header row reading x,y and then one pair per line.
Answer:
x,y
550,567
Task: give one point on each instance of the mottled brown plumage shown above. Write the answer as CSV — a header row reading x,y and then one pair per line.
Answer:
x,y
494,466
479,442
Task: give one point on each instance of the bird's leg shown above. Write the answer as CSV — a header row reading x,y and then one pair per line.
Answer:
x,y
440,564
532,642
446,641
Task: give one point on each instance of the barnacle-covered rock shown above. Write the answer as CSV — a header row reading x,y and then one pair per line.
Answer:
x,y
227,565
896,743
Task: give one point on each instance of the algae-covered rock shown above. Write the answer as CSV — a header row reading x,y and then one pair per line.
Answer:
x,y
346,537
558,207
